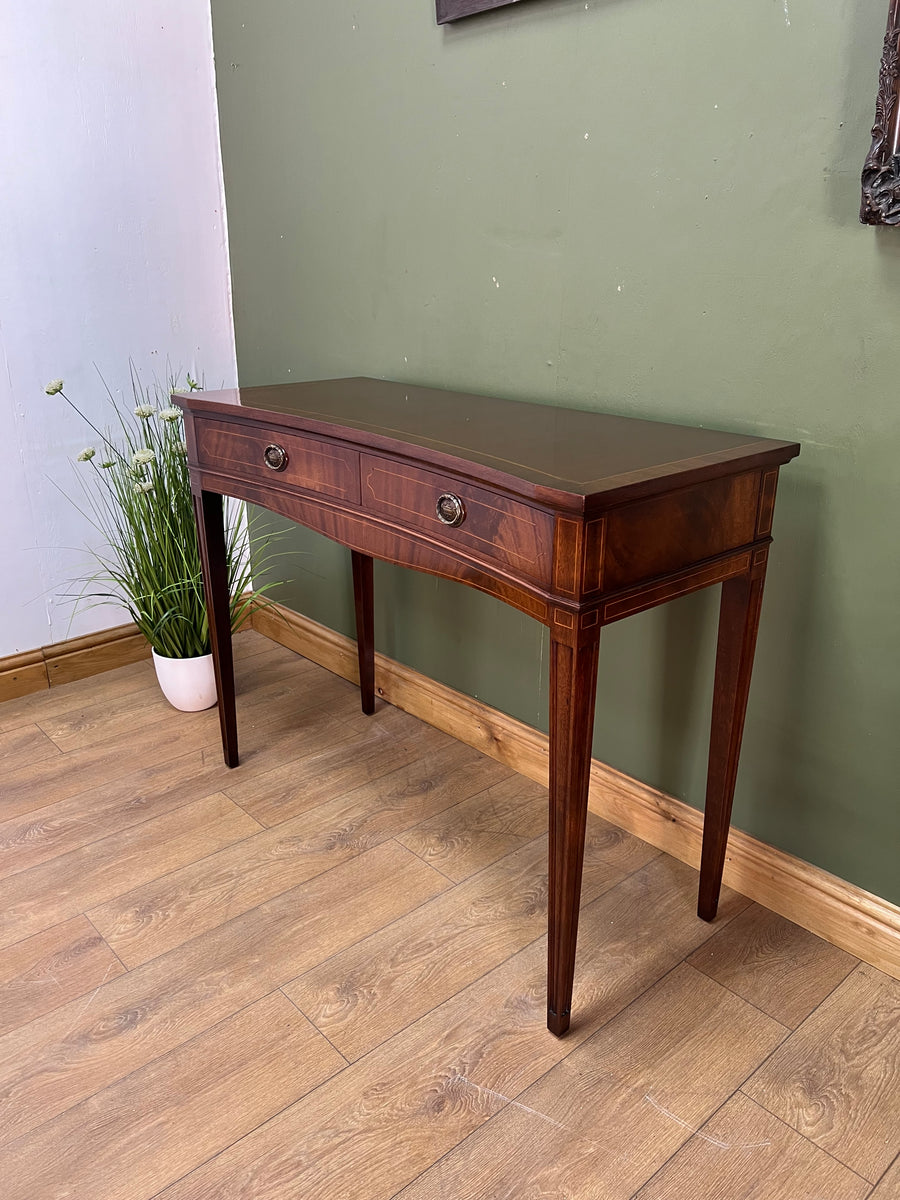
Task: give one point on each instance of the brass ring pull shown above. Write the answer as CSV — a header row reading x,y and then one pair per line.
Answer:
x,y
276,457
450,509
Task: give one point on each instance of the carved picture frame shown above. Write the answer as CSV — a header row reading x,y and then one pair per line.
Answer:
x,y
881,170
452,10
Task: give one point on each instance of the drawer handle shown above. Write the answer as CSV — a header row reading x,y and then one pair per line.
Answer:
x,y
276,457
450,509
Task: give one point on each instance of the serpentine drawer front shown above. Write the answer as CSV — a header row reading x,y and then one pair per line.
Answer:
x,y
272,455
455,512
577,518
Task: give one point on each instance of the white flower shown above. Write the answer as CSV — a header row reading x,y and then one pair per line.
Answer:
x,y
110,462
169,414
86,454
140,458
182,446
144,487
144,411
54,386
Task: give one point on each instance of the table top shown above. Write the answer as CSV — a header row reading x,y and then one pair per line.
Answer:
x,y
576,452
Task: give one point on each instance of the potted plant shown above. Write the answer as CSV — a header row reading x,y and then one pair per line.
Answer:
x,y
138,498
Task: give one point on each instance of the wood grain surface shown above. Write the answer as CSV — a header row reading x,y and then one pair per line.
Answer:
x,y
103,689
744,1153
42,972
73,883
29,742
272,933
475,833
782,969
495,528
375,988
618,1106
889,1185
244,1069
146,921
836,1080
92,1042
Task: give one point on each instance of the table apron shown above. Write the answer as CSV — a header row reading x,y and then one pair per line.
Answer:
x,y
382,539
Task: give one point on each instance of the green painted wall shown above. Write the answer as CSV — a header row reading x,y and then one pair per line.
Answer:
x,y
643,206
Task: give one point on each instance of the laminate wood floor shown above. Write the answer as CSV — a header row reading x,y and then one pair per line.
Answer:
x,y
321,975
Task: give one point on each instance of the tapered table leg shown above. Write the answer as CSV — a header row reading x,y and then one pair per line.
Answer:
x,y
738,625
573,688
208,511
364,598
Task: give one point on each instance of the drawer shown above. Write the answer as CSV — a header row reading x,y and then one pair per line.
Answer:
x,y
494,527
309,462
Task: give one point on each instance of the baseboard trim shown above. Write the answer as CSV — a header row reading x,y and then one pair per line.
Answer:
x,y
832,908
63,662
21,674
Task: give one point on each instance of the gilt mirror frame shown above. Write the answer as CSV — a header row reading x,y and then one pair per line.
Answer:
x,y
881,170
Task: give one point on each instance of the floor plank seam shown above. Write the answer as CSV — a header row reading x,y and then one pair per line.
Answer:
x,y
573,1028
788,1029
159,879
471,982
105,942
678,1149
421,1017
161,720
895,1162
433,1166
791,1033
242,915
406,916
256,1128
422,859
144,1065
122,780
321,1033
138,710
856,967
129,829
12,945
348,791
301,757
798,1133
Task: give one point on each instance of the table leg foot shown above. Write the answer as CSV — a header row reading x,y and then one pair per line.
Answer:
x,y
558,1023
738,625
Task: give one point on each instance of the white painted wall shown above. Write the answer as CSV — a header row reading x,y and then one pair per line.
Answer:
x,y
112,245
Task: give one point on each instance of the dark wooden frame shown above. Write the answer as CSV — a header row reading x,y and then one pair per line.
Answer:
x,y
452,10
881,171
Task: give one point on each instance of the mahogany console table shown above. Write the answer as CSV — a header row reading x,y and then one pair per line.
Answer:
x,y
576,518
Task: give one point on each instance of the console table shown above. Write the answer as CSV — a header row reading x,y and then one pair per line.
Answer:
x,y
577,518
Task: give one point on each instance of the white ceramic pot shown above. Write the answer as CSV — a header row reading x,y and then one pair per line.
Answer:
x,y
189,684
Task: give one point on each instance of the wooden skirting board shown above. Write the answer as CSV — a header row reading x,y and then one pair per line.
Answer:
x,y
77,658
63,662
840,912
